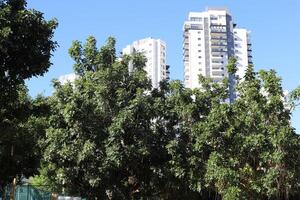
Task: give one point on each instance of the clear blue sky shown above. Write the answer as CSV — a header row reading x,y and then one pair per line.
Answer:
x,y
274,26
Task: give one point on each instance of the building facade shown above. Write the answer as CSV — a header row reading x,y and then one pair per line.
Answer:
x,y
210,39
242,50
155,52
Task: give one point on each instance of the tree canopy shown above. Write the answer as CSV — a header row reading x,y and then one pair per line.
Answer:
x,y
112,136
26,45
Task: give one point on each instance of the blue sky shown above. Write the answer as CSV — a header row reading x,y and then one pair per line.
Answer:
x,y
274,26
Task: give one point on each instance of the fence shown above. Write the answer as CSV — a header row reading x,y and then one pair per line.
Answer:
x,y
27,192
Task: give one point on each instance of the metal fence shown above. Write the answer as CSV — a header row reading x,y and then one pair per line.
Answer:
x,y
26,192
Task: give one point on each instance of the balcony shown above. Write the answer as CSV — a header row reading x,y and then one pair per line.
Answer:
x,y
217,61
218,44
219,38
218,50
218,73
185,45
218,31
218,56
217,24
217,69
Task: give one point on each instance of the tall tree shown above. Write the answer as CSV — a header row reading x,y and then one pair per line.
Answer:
x,y
113,137
259,158
25,49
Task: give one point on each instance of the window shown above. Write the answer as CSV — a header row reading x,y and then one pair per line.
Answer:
x,y
199,38
196,26
199,57
199,51
198,19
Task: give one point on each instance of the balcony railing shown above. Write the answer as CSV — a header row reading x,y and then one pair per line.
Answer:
x,y
218,38
217,31
218,50
219,44
217,24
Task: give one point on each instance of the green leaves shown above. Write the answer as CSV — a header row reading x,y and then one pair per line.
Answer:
x,y
110,134
26,33
231,67
294,98
89,58
26,45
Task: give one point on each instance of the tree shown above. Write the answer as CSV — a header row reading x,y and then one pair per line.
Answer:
x,y
259,157
111,136
25,49
86,141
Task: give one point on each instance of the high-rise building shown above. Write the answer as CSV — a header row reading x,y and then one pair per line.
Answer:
x,y
242,50
155,52
210,39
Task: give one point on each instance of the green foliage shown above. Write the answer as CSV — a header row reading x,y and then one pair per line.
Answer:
x,y
25,35
23,125
294,98
113,137
231,67
110,135
25,49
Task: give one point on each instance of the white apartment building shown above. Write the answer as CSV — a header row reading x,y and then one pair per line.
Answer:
x,y
210,38
242,50
155,52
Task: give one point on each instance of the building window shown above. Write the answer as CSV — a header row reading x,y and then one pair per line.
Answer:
x,y
199,57
198,19
199,50
199,38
